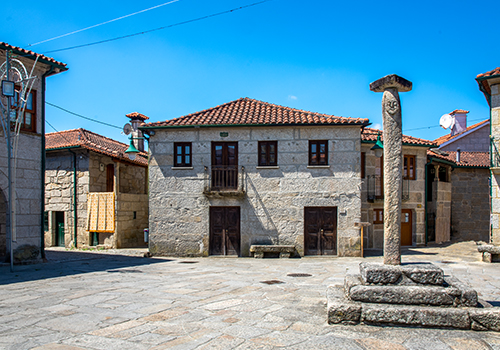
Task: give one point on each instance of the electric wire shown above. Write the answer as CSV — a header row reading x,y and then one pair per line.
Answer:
x,y
82,116
160,28
436,126
60,134
100,24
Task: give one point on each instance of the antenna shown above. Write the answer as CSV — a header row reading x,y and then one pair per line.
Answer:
x,y
447,121
127,129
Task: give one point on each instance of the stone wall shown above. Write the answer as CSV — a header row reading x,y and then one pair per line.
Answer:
x,y
495,178
133,179
272,208
374,234
470,204
477,141
131,220
28,181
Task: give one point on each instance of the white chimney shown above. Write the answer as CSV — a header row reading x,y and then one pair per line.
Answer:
x,y
460,121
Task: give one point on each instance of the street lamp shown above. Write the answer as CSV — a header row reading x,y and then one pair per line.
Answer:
x,y
8,88
131,150
378,148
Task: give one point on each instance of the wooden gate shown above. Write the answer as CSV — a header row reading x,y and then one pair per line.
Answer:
x,y
320,230
224,231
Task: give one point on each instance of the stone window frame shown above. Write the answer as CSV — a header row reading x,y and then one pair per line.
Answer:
x,y
186,158
409,173
267,154
314,156
378,216
15,104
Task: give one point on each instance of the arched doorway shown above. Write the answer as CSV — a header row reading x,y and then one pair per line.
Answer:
x,y
3,226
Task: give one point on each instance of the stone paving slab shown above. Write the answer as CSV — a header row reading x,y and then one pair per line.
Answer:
x,y
212,303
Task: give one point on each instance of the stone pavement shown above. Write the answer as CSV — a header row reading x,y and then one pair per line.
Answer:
x,y
106,300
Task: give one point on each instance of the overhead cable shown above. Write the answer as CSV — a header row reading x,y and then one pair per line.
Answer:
x,y
160,28
81,116
103,23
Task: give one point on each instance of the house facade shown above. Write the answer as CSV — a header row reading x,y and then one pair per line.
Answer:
x,y
489,85
250,172
28,171
94,194
459,168
372,192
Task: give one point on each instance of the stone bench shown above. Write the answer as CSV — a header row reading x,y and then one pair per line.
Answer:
x,y
491,253
284,250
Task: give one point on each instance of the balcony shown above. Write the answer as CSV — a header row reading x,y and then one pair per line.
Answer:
x,y
495,158
375,188
224,181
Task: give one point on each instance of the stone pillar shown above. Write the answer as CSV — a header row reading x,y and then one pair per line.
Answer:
x,y
391,85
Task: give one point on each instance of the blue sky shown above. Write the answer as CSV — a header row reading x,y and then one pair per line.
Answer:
x,y
313,55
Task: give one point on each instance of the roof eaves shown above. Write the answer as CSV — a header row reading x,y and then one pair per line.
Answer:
x,y
459,136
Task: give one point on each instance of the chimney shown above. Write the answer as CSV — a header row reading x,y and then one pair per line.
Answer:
x,y
460,116
136,119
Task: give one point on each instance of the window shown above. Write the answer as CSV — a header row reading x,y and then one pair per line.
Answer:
x,y
28,120
182,156
318,152
363,165
268,153
378,216
409,167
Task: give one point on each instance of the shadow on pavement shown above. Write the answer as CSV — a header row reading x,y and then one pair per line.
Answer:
x,y
68,263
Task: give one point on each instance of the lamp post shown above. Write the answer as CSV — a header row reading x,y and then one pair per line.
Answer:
x,y
8,90
378,148
132,151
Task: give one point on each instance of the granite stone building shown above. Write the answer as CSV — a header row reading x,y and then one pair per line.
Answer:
x,y
372,192
94,194
29,179
250,172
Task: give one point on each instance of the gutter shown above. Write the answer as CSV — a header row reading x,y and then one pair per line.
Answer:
x,y
75,216
404,144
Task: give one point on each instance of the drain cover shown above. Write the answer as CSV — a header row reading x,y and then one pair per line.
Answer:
x,y
448,262
188,262
272,282
299,275
124,271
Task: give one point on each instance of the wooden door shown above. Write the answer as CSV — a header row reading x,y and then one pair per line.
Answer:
x,y
224,231
110,178
59,228
406,227
224,165
320,230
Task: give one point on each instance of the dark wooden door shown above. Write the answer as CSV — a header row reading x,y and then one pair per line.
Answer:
x,y
320,230
224,231
406,227
224,165
110,178
60,228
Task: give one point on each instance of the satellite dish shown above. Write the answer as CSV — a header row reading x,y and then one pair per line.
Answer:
x,y
127,129
447,121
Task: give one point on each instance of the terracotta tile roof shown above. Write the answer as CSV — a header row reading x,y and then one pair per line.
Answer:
x,y
445,138
370,135
491,73
467,159
246,111
94,142
136,115
459,111
32,55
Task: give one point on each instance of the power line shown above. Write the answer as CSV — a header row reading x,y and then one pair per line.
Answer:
x,y
100,24
160,28
81,116
436,126
62,135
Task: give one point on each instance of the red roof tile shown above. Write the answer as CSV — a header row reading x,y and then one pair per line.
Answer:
x,y
467,159
92,141
440,140
459,111
370,135
136,115
246,111
28,53
491,73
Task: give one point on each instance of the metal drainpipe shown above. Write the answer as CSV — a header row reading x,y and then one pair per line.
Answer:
x,y
75,216
42,187
425,203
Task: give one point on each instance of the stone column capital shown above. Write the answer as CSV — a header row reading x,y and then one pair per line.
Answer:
x,y
391,81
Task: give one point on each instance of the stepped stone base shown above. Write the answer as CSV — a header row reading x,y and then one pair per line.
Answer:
x,y
344,311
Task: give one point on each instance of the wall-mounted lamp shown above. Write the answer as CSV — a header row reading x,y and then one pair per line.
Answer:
x,y
131,150
378,148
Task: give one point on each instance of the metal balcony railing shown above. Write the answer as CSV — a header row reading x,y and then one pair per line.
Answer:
x,y
375,188
224,179
495,156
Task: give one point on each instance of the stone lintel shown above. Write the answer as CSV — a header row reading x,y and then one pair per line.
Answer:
x,y
391,81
